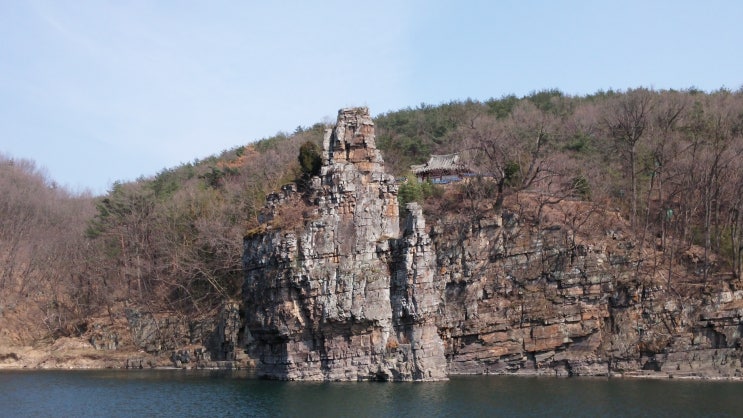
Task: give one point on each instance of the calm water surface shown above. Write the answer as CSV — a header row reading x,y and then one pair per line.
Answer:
x,y
214,394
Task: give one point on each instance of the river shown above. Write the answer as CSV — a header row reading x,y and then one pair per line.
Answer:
x,y
236,394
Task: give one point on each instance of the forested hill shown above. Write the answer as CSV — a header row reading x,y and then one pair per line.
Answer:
x,y
670,161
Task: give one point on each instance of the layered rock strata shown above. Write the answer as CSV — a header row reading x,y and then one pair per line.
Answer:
x,y
521,299
342,295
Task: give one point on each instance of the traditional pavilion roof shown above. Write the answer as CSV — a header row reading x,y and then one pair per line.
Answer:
x,y
440,163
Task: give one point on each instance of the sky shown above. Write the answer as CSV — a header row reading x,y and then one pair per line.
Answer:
x,y
98,91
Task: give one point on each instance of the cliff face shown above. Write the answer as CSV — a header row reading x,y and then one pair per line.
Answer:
x,y
342,296
526,300
335,291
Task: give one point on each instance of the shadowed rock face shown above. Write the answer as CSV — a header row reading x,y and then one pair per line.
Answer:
x,y
344,296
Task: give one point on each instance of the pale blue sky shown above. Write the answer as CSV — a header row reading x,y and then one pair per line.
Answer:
x,y
99,91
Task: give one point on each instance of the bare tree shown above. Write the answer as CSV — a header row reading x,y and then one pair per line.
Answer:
x,y
510,153
626,120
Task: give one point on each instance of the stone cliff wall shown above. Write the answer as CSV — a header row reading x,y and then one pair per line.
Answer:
x,y
174,340
344,294
526,300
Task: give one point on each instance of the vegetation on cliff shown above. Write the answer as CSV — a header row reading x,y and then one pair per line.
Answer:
x,y
668,161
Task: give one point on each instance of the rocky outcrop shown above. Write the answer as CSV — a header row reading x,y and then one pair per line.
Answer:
x,y
134,338
518,303
528,299
159,339
209,342
342,296
334,290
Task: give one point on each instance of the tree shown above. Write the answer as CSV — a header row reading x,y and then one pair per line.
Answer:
x,y
666,145
511,152
123,226
310,160
42,249
627,119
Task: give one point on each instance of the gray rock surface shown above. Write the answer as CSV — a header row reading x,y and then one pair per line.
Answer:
x,y
524,300
211,342
342,296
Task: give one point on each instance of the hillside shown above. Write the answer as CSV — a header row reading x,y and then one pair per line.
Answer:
x,y
511,279
667,163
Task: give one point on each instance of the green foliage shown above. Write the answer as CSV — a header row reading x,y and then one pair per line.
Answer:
x,y
125,203
600,95
512,173
579,143
502,108
544,100
215,177
581,187
310,160
273,142
410,136
694,91
167,181
414,191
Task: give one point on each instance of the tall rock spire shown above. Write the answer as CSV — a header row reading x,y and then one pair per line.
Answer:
x,y
321,301
352,140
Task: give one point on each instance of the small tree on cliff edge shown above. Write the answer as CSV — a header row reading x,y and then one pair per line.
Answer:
x,y
309,159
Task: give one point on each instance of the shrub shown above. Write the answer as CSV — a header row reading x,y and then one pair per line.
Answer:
x,y
512,173
581,188
414,191
309,159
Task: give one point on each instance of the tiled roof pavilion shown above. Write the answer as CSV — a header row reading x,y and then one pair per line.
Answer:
x,y
440,165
